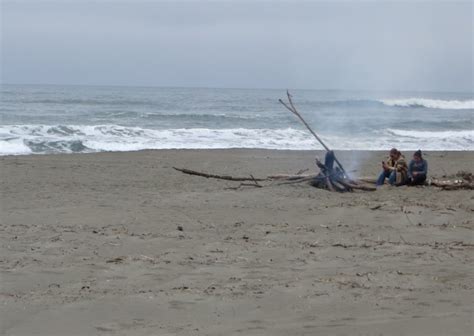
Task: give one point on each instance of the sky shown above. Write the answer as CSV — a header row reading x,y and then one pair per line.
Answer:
x,y
354,45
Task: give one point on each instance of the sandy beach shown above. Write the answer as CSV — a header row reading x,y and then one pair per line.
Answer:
x,y
122,244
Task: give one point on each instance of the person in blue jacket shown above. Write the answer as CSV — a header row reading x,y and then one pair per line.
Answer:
x,y
417,169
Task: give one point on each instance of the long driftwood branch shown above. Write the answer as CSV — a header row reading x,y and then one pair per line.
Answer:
x,y
293,181
361,187
290,177
244,185
283,177
220,177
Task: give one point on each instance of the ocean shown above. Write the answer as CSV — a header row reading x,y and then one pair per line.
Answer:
x,y
42,119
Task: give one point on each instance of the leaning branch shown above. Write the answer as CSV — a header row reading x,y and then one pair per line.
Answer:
x,y
293,110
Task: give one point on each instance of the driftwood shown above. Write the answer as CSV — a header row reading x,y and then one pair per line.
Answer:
x,y
294,181
452,185
288,177
333,185
370,180
333,179
293,110
285,177
220,177
255,185
465,180
465,175
357,185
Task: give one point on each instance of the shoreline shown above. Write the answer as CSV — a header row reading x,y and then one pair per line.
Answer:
x,y
118,243
365,161
319,151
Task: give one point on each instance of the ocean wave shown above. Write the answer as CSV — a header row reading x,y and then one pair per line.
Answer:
x,y
204,116
430,140
90,101
42,139
439,135
439,125
24,139
430,103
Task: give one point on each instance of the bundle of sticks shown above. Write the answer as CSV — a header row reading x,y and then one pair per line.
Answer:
x,y
329,177
332,183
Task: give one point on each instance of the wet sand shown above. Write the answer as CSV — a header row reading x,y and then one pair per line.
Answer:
x,y
122,244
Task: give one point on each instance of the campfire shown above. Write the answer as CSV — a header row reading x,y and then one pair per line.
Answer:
x,y
329,177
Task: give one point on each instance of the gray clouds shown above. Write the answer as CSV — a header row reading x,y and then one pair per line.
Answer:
x,y
340,45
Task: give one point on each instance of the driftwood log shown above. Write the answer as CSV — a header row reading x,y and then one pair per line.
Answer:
x,y
464,180
451,185
220,177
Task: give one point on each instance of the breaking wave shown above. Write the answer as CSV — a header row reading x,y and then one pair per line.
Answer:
x,y
442,140
431,103
45,139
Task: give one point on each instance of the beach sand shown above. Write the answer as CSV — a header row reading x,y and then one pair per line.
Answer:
x,y
122,244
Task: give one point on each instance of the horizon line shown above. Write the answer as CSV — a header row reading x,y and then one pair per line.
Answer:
x,y
232,88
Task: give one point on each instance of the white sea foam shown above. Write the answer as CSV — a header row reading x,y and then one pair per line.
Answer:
x,y
26,139
430,140
440,135
14,147
431,103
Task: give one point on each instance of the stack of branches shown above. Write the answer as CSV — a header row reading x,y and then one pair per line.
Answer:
x,y
323,181
329,177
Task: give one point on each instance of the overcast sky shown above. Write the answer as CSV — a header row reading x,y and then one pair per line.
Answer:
x,y
242,44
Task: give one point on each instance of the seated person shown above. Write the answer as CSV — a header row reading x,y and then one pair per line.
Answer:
x,y
395,169
417,170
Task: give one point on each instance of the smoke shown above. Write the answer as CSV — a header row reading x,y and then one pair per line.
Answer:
x,y
354,162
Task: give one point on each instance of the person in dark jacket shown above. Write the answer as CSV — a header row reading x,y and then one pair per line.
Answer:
x,y
417,169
